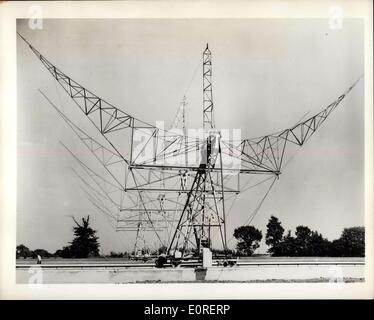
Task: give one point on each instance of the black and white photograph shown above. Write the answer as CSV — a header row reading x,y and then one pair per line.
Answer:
x,y
191,151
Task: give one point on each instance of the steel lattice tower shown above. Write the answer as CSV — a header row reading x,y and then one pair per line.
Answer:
x,y
208,114
204,209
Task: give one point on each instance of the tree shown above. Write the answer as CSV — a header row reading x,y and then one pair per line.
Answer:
x,y
41,252
63,253
337,248
318,246
249,238
354,241
351,243
311,243
113,254
85,243
22,251
274,234
287,247
302,240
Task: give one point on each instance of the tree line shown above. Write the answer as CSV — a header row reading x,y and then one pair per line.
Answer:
x,y
305,242
85,244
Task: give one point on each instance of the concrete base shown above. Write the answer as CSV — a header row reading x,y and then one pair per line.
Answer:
x,y
333,273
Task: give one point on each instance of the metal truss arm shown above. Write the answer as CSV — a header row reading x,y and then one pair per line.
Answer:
x,y
267,152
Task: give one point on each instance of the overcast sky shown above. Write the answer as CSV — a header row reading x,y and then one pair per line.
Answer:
x,y
267,74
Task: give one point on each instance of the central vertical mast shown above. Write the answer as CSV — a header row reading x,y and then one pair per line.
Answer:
x,y
204,209
208,116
